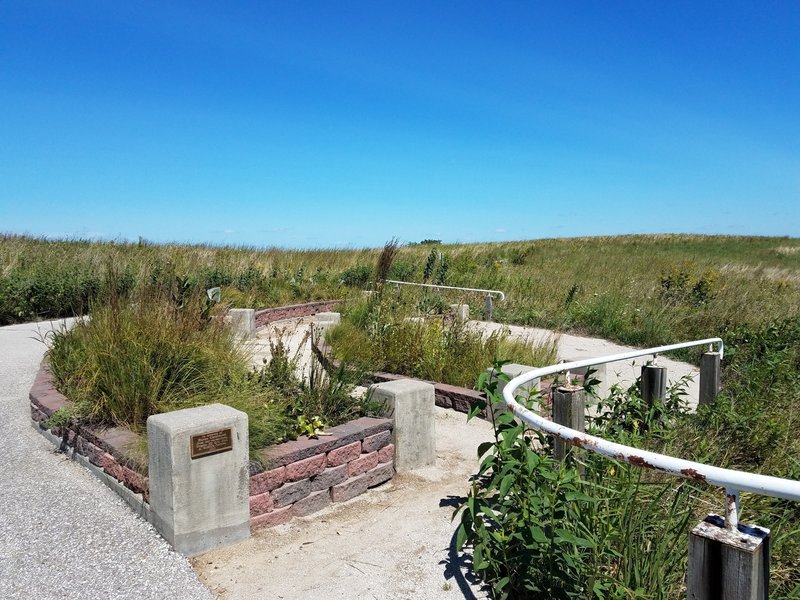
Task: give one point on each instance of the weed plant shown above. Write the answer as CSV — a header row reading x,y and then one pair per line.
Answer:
x,y
620,531
161,350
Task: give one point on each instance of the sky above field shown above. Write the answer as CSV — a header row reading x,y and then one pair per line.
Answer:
x,y
309,124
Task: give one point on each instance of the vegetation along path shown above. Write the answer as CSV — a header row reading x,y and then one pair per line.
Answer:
x,y
397,540
63,534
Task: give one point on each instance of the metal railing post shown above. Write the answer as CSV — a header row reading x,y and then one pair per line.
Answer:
x,y
653,385
709,377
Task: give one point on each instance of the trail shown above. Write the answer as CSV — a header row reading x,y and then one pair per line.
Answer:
x,y
63,534
396,541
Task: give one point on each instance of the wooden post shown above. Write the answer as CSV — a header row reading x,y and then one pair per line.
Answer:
x,y
569,403
726,564
654,383
488,308
709,377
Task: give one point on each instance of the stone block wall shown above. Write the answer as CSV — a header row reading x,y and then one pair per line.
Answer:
x,y
270,315
306,475
298,477
116,451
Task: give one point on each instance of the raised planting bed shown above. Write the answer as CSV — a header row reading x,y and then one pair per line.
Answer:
x,y
270,315
295,478
461,399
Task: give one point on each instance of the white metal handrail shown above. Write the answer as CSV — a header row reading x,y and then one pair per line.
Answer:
x,y
450,287
732,480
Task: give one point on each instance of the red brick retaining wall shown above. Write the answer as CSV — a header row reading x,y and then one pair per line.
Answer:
x,y
302,476
462,399
269,315
115,450
306,475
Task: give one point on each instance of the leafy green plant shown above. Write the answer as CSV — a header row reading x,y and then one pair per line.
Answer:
x,y
356,276
539,528
309,427
624,411
522,518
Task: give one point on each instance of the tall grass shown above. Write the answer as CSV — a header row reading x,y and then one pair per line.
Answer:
x,y
160,349
636,289
385,333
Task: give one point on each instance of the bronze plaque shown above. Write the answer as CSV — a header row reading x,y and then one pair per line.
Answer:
x,y
212,442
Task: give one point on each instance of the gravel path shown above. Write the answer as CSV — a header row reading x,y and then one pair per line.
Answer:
x,y
63,534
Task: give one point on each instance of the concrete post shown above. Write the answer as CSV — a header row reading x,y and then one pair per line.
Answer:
x,y
732,565
325,320
569,405
199,479
488,308
709,377
242,321
460,311
654,383
512,370
411,404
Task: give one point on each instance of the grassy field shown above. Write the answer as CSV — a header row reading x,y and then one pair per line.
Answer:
x,y
636,289
625,527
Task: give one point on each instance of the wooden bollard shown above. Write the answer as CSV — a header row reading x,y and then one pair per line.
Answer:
x,y
727,564
654,384
569,405
709,377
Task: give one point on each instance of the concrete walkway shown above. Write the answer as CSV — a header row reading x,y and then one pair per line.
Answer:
x,y
63,534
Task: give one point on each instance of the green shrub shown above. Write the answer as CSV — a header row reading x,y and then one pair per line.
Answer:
x,y
357,276
538,528
522,519
379,335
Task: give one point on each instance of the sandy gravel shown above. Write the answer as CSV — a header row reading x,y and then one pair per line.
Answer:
x,y
396,541
63,534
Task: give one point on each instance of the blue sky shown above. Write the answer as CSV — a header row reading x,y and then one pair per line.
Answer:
x,y
308,124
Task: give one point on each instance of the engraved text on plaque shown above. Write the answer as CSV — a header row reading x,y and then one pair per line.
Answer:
x,y
212,442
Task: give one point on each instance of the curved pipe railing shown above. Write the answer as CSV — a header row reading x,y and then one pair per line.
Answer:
x,y
733,481
501,295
